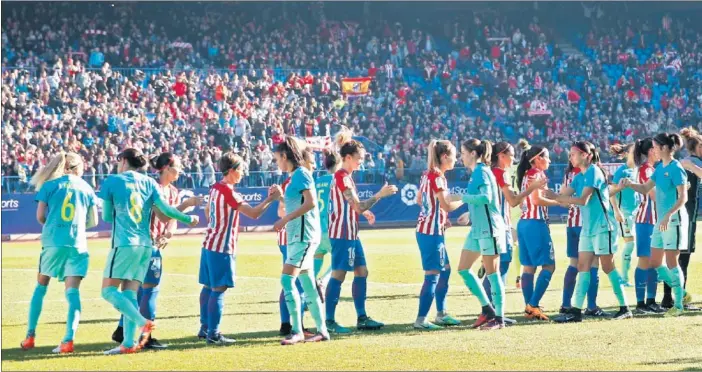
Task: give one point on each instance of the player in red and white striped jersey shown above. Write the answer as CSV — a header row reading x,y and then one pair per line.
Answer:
x,y
645,277
218,260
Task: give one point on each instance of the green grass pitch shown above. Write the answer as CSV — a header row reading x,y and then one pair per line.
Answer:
x,y
251,317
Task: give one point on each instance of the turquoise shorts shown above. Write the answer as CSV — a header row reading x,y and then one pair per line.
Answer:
x,y
673,239
60,262
601,244
324,246
301,255
128,263
487,246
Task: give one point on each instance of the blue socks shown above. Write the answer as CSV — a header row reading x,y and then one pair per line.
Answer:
x,y
332,297
204,301
640,282
358,291
504,269
426,296
569,280
74,308
215,308
652,285
527,286
541,286
592,290
442,290
284,313
35,307
147,303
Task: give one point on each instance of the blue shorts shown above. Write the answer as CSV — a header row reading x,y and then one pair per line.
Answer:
x,y
284,252
507,256
347,254
153,274
573,240
535,244
217,269
643,239
432,249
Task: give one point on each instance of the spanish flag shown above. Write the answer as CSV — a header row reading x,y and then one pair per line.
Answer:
x,y
354,87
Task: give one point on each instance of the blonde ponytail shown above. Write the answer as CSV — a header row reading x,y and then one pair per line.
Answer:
x,y
432,161
54,169
343,136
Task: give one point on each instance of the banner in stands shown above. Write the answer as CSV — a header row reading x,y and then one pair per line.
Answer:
x,y
19,210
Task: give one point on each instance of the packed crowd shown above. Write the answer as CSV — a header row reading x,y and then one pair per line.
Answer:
x,y
96,79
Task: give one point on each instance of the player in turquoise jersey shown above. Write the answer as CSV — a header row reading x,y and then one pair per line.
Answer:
x,y
487,236
670,233
627,201
128,199
323,184
303,235
598,239
67,206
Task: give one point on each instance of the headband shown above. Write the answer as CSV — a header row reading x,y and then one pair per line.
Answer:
x,y
537,155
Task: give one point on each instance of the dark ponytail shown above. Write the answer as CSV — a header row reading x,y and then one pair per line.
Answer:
x,y
641,149
498,149
331,160
619,150
590,149
292,150
528,153
483,149
673,141
160,162
134,158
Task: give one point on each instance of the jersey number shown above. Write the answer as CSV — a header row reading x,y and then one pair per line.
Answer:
x,y
135,204
68,209
320,201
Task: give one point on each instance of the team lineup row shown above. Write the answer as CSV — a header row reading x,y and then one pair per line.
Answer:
x,y
321,216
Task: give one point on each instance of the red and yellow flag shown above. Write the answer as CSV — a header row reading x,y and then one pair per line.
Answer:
x,y
355,86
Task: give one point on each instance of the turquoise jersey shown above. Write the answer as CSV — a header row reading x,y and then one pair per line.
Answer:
x,y
667,179
484,204
627,199
598,216
323,184
129,198
69,199
577,184
305,228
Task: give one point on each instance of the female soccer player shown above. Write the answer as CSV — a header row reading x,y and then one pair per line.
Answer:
x,y
598,239
128,199
347,251
303,236
322,184
535,244
670,233
645,275
693,166
435,205
218,259
487,234
67,206
572,184
627,203
502,159
162,228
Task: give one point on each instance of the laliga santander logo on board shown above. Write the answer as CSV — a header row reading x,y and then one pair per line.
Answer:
x,y
409,194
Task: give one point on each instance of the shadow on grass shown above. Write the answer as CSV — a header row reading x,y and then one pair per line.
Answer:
x,y
115,320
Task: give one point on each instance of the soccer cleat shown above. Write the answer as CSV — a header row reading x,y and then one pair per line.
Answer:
x,y
597,312
535,313
292,339
518,285
306,333
202,333
121,350
367,323
446,320
64,348
335,327
509,321
482,319
492,325
687,299
319,337
563,310
655,308
28,343
673,312
118,335
320,290
573,315
285,329
481,272
691,307
667,303
426,326
153,344
643,310
623,313
220,339
146,333
625,283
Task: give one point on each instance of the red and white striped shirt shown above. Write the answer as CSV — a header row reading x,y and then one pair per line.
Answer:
x,y
647,208
531,211
574,217
503,180
283,233
223,227
157,227
343,220
432,218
